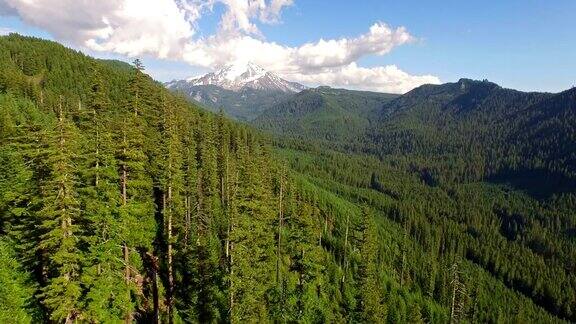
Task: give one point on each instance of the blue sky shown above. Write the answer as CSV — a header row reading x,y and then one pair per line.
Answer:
x,y
527,45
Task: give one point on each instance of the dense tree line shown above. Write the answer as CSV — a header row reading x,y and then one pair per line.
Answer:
x,y
515,253
121,202
456,132
484,171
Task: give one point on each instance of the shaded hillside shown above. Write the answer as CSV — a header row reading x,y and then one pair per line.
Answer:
x,y
477,129
241,90
243,105
484,172
546,133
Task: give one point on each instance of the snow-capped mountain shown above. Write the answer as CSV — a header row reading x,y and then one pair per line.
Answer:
x,y
238,76
243,91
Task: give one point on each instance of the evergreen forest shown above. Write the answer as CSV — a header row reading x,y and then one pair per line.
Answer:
x,y
121,201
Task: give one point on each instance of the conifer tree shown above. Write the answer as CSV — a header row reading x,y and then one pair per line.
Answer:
x,y
137,210
60,217
253,252
100,199
172,185
372,309
185,255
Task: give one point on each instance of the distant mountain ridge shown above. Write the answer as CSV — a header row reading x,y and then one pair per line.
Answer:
x,y
474,120
238,76
241,90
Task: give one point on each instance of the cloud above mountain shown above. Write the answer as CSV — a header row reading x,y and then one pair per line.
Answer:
x,y
168,29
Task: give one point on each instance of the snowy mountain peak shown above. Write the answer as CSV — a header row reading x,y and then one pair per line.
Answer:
x,y
242,72
241,75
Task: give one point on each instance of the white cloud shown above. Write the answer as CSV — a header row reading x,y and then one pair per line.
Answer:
x,y
223,48
382,78
130,27
272,14
168,29
380,40
240,14
5,31
330,62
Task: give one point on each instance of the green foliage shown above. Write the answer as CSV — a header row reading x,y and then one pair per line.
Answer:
x,y
16,289
509,256
122,202
324,114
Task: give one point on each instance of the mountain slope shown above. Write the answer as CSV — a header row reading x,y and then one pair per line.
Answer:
x,y
245,104
479,125
549,129
478,172
323,113
243,91
217,226
124,203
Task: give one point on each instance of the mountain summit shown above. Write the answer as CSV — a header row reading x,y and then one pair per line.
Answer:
x,y
239,76
241,90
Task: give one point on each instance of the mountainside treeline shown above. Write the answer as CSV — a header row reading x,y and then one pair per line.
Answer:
x,y
463,131
326,114
515,254
120,202
481,130
485,172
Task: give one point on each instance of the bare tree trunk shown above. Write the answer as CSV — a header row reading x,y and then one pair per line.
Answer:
x,y
228,242
229,214
128,316
125,250
231,292
230,246
452,307
346,248
456,289
280,225
170,270
199,203
222,193
156,302
186,219
124,177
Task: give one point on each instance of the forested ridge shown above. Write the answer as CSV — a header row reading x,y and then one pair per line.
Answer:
x,y
122,202
467,130
482,173
333,115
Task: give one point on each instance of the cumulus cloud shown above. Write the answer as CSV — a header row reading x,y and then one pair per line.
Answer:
x,y
4,31
168,29
330,62
382,78
130,27
223,48
240,14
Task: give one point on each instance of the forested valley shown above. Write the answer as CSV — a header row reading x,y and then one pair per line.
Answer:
x,y
122,202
